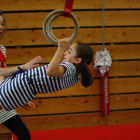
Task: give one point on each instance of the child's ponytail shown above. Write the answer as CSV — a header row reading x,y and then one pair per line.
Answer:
x,y
86,75
86,53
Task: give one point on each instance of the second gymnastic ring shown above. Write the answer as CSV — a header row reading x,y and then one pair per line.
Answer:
x,y
47,26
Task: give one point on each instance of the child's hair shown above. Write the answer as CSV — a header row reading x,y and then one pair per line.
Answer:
x,y
86,53
4,21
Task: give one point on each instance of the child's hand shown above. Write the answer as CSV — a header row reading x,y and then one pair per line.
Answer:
x,y
63,43
28,106
32,64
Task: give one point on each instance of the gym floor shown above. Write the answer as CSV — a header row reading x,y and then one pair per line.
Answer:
x,y
112,132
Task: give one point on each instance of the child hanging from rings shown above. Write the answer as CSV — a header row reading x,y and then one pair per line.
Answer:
x,y
61,73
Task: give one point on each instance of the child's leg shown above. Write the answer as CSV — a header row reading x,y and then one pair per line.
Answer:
x,y
16,125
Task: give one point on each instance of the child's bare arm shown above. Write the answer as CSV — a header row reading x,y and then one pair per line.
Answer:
x,y
31,64
54,69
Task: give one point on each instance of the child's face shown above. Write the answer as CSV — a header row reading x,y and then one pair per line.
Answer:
x,y
70,54
1,25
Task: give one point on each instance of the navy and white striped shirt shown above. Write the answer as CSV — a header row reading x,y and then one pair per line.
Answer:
x,y
23,88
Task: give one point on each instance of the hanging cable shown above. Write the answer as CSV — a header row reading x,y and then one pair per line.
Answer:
x,y
105,79
103,24
102,63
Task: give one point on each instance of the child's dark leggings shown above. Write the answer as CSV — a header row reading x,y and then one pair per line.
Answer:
x,y
16,126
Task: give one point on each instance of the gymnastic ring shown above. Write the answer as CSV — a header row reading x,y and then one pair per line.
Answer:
x,y
47,26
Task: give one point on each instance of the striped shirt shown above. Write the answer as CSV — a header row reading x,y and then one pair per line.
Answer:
x,y
24,87
6,115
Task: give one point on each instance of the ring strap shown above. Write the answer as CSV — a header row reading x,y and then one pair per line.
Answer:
x,y
68,8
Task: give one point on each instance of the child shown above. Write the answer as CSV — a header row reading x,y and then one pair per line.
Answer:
x,y
10,119
16,91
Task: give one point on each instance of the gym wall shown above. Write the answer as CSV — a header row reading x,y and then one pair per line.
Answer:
x,y
78,106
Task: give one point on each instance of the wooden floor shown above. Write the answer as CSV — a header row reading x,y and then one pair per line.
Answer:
x,y
112,132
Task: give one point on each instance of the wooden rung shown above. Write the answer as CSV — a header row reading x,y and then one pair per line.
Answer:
x,y
24,5
5,136
35,20
36,37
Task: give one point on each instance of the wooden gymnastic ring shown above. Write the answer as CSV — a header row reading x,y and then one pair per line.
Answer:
x,y
47,26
